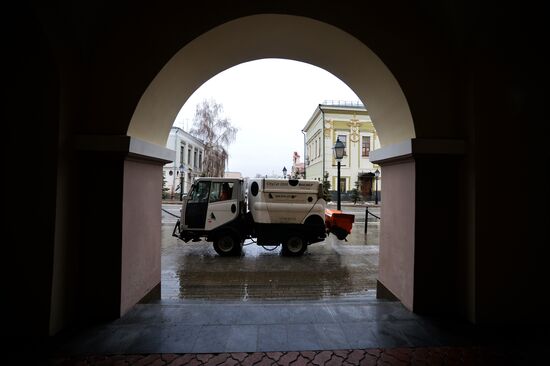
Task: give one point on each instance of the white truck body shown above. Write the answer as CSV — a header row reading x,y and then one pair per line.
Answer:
x,y
278,211
281,201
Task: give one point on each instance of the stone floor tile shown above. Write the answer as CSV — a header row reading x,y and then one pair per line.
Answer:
x,y
275,356
182,360
335,361
355,356
322,357
252,359
288,358
147,360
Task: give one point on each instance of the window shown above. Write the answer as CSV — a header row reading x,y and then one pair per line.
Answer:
x,y
316,151
254,188
200,160
195,159
182,153
221,191
189,156
344,140
200,192
170,173
342,183
365,146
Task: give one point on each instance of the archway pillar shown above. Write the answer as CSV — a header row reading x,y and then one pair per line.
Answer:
x,y
419,236
120,180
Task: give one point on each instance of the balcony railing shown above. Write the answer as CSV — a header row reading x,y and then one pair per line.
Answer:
x,y
343,103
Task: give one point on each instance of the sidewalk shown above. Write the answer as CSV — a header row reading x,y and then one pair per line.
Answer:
x,y
360,331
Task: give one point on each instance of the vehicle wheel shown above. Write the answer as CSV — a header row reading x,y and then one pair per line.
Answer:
x,y
294,246
227,244
340,233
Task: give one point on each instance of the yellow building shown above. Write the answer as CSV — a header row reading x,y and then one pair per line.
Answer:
x,y
351,123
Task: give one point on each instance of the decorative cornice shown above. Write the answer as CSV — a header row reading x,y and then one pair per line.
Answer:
x,y
410,148
127,145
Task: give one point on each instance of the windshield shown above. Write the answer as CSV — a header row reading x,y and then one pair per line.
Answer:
x,y
199,192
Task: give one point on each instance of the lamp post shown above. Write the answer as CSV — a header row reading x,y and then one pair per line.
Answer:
x,y
182,171
339,148
376,175
284,172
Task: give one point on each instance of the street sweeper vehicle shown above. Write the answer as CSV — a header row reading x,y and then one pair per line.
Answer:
x,y
271,212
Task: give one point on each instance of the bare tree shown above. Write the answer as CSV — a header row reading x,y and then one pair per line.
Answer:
x,y
216,132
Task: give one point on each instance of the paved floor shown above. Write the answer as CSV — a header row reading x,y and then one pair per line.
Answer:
x,y
359,330
263,309
266,326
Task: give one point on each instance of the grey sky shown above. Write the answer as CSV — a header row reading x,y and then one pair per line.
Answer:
x,y
269,101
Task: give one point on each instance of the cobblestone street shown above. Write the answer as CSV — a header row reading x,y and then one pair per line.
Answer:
x,y
429,356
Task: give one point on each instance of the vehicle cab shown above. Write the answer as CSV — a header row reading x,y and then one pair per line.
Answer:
x,y
212,203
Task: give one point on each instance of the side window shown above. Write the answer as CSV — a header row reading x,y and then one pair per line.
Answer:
x,y
227,191
221,191
215,191
254,188
191,193
200,192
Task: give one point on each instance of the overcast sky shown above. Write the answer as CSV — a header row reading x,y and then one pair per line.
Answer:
x,y
269,101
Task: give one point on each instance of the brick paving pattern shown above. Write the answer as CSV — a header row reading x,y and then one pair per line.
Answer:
x,y
426,356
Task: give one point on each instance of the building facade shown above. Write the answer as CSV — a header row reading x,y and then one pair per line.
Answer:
x,y
298,167
189,160
350,122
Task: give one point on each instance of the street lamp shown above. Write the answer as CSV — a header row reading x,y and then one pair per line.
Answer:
x,y
376,175
339,148
284,172
182,172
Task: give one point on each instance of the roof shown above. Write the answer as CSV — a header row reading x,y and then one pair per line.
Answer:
x,y
179,130
335,105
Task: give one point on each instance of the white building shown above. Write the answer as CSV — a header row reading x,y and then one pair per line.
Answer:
x,y
189,160
351,123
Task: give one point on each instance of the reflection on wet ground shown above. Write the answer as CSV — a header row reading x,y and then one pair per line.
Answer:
x,y
328,269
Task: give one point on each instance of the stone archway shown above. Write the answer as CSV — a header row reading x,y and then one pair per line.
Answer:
x,y
273,36
447,213
278,36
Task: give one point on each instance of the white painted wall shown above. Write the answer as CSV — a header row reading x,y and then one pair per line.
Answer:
x,y
176,140
353,163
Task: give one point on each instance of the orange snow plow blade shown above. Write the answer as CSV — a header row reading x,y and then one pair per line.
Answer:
x,y
338,223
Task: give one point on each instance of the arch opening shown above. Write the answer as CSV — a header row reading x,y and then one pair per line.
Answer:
x,y
264,36
285,37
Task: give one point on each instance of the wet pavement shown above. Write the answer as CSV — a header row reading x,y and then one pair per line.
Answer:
x,y
329,269
265,309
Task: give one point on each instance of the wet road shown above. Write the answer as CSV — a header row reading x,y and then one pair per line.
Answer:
x,y
331,268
